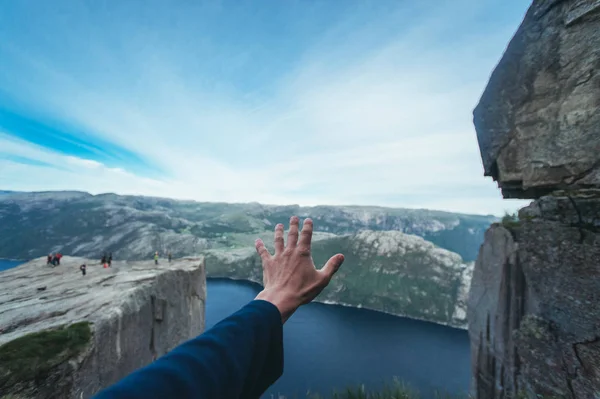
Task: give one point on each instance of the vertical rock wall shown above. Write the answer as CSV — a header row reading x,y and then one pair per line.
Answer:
x,y
534,304
136,311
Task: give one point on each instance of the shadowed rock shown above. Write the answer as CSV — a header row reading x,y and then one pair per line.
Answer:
x,y
534,305
135,311
538,123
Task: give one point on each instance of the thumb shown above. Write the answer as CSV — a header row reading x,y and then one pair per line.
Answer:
x,y
332,265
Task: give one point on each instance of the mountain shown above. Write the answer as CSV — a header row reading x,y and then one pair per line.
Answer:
x,y
405,262
388,271
133,227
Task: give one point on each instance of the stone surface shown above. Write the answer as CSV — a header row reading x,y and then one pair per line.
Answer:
x,y
138,312
387,271
534,306
538,123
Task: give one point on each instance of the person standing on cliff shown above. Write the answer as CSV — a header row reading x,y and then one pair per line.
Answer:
x,y
156,258
241,356
110,259
82,268
170,256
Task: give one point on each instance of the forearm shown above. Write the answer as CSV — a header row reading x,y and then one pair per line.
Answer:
x,y
238,358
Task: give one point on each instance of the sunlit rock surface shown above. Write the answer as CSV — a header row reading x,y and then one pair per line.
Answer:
x,y
137,311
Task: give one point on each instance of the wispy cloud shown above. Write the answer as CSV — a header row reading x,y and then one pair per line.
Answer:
x,y
320,102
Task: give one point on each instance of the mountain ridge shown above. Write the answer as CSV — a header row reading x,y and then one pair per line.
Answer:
x,y
133,227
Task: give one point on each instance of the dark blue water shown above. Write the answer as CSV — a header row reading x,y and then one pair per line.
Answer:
x,y
334,347
7,264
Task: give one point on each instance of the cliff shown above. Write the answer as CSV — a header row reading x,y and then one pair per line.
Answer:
x,y
387,271
65,335
534,304
537,122
132,227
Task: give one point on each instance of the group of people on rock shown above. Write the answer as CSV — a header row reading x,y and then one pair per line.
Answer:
x,y
106,260
169,256
54,259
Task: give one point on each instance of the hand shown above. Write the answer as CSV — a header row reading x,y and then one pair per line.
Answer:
x,y
290,277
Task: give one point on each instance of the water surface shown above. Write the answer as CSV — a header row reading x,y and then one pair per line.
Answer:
x,y
7,264
332,347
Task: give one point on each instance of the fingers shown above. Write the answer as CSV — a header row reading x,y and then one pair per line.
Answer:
x,y
306,236
279,239
332,266
293,233
262,250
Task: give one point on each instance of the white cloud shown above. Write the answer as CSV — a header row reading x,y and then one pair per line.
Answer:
x,y
357,120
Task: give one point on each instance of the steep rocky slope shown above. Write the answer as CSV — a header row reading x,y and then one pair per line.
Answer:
x,y
34,224
65,335
387,271
537,121
534,305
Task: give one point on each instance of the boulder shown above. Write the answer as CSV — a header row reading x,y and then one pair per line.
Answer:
x,y
537,123
82,333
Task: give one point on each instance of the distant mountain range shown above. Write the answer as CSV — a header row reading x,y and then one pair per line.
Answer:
x,y
408,262
133,227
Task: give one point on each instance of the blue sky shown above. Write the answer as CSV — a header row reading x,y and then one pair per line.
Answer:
x,y
295,101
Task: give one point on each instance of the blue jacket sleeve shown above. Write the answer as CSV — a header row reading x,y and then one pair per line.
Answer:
x,y
238,358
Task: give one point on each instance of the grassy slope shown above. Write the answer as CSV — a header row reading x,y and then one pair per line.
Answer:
x,y
33,356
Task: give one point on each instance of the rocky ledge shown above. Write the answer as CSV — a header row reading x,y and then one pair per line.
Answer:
x,y
66,335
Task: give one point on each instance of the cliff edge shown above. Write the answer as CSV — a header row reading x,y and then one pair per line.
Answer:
x,y
534,303
537,123
66,335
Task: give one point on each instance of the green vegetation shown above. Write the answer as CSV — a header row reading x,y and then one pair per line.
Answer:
x,y
412,282
399,390
395,390
32,356
79,224
510,221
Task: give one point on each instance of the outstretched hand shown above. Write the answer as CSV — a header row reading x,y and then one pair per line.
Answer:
x,y
290,277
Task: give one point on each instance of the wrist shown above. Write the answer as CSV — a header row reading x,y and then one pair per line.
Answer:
x,y
285,306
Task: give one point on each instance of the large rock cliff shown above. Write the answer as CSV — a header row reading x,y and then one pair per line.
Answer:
x,y
534,304
538,123
387,271
66,335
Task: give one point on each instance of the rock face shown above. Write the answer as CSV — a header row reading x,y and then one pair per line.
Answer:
x,y
387,271
538,123
35,224
534,304
136,312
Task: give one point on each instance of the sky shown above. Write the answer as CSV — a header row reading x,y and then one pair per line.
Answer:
x,y
277,101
